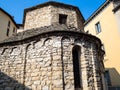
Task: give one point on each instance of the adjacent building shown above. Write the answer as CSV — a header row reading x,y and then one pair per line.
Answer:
x,y
8,26
105,24
53,53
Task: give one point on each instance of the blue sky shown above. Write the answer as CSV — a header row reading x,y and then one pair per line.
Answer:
x,y
16,7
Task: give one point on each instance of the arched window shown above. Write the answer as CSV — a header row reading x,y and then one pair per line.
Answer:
x,y
76,52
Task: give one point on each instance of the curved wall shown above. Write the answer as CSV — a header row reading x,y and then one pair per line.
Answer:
x,y
45,62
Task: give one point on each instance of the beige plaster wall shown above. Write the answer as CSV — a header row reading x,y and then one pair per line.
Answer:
x,y
4,19
110,37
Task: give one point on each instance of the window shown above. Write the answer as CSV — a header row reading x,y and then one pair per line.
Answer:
x,y
8,29
107,77
14,30
9,24
62,19
7,32
98,27
76,67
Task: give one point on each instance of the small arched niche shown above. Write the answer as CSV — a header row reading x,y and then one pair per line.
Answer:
x,y
76,54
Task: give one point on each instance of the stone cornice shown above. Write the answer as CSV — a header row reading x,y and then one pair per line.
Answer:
x,y
63,33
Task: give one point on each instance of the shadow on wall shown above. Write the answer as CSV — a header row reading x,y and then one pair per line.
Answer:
x,y
113,79
8,83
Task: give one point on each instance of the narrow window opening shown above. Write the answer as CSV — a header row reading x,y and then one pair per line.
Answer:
x,y
98,27
7,32
107,77
8,29
62,19
76,67
8,24
14,30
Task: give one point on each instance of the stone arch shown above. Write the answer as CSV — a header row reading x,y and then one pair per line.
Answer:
x,y
65,38
47,39
76,54
37,44
77,40
3,51
65,41
28,49
12,49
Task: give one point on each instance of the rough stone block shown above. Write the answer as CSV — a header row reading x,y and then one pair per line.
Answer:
x,y
58,89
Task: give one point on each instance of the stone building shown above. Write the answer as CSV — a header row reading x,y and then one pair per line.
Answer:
x,y
52,13
53,53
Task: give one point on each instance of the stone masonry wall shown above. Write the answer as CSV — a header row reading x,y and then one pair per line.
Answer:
x,y
46,64
11,67
49,15
71,16
38,18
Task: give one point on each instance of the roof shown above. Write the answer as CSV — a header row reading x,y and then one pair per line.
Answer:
x,y
97,11
57,4
116,8
9,16
34,32
42,30
20,26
